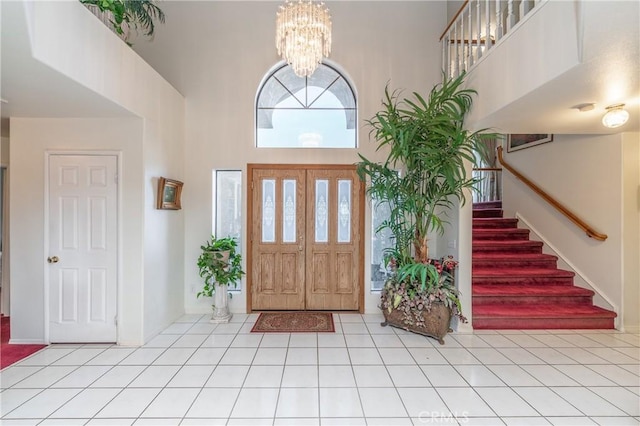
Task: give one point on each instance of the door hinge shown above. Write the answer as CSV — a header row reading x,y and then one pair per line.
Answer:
x,y
115,320
115,178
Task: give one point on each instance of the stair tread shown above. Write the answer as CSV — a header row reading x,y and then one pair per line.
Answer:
x,y
513,256
500,230
540,311
521,272
529,290
507,243
485,204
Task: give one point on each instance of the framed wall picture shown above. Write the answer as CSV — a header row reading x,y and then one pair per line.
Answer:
x,y
516,142
169,192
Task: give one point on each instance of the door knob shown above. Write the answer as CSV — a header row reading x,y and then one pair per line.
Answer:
x,y
53,259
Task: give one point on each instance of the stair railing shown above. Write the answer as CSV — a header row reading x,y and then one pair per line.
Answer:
x,y
489,184
549,199
477,26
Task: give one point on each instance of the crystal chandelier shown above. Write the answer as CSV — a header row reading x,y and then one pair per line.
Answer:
x,y
303,35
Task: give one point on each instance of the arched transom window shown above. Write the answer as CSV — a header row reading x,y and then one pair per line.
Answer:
x,y
306,112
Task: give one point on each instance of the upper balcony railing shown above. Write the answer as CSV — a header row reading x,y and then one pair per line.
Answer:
x,y
477,26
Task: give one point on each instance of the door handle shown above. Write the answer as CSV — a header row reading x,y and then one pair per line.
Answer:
x,y
53,259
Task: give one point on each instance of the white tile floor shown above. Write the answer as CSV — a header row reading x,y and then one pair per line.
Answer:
x,y
197,373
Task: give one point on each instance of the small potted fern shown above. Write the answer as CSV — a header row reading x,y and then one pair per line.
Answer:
x,y
220,265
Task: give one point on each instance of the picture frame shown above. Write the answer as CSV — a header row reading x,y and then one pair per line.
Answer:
x,y
517,142
169,192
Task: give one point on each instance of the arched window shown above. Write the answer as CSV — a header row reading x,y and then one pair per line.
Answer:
x,y
306,112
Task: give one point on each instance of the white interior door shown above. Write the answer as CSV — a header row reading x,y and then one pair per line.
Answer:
x,y
82,248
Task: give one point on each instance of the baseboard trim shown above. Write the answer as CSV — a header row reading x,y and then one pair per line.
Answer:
x,y
27,342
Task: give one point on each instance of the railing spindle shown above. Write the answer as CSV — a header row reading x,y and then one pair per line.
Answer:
x,y
499,32
470,51
511,17
525,7
479,25
488,20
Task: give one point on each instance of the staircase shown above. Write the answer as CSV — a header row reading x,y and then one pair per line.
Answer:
x,y
516,286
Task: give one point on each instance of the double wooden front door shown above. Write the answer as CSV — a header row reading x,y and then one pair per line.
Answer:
x,y
305,249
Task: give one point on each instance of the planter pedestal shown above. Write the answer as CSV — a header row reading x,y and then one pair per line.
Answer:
x,y
221,314
436,321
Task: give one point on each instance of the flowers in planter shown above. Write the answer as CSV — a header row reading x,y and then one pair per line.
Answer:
x,y
415,287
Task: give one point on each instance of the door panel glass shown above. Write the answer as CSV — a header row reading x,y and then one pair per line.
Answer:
x,y
344,211
321,211
289,211
268,211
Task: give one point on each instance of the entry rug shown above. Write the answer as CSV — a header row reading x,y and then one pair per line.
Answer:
x,y
294,322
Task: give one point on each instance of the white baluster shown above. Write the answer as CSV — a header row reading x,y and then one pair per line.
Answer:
x,y
449,65
445,40
470,52
511,17
457,53
479,24
488,21
525,7
463,56
499,32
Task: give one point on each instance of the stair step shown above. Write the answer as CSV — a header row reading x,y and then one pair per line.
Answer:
x,y
500,234
487,213
494,222
511,260
542,317
521,276
487,205
493,246
487,294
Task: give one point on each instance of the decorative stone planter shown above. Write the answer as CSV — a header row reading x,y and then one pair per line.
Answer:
x,y
436,321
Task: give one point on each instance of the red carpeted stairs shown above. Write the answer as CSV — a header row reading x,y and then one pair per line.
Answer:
x,y
516,286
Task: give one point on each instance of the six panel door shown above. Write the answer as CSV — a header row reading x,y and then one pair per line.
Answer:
x,y
82,248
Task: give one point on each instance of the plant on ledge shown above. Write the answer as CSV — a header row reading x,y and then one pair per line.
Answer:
x,y
126,15
421,179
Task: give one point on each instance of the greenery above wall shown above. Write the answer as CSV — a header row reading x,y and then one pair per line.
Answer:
x,y
127,15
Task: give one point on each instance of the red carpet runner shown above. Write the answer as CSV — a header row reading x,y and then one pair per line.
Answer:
x,y
10,354
515,286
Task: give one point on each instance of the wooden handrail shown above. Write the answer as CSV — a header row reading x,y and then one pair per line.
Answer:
x,y
549,199
454,19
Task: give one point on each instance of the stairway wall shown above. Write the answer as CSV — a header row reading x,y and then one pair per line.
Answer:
x,y
585,173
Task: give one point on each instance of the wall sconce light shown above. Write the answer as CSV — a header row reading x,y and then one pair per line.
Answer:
x,y
615,116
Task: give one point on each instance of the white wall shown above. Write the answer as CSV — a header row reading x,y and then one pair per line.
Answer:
x,y
227,50
631,229
584,172
87,52
30,139
523,61
163,229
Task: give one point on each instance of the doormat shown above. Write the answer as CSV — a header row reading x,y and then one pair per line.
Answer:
x,y
294,322
11,353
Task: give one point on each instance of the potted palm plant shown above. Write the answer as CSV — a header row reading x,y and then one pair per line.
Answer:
x,y
421,179
220,265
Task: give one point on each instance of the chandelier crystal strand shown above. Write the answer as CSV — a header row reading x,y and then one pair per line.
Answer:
x,y
303,35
